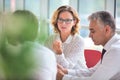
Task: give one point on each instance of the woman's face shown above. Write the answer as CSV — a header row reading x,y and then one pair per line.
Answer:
x,y
65,22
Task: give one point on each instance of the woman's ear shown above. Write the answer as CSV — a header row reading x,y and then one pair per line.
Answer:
x,y
74,22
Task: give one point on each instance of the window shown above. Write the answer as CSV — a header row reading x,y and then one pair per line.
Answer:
x,y
53,5
7,5
1,5
34,6
44,9
118,15
87,7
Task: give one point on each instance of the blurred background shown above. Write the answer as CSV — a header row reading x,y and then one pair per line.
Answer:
x,y
44,9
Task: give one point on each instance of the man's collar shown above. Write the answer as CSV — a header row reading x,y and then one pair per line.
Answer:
x,y
111,41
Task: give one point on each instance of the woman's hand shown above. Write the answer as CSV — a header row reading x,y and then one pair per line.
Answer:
x,y
60,72
64,70
57,47
59,75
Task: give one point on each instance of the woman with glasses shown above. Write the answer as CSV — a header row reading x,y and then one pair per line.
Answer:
x,y
67,43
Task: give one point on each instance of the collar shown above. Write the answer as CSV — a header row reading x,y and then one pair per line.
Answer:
x,y
114,38
68,40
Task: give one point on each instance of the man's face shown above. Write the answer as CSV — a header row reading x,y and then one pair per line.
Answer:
x,y
97,32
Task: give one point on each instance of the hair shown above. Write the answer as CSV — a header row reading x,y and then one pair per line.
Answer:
x,y
29,27
74,13
105,18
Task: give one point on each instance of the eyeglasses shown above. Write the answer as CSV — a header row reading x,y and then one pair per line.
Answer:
x,y
67,21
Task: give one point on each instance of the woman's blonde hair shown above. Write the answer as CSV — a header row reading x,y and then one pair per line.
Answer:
x,y
74,13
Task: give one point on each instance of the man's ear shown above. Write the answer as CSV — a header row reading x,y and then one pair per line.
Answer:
x,y
108,29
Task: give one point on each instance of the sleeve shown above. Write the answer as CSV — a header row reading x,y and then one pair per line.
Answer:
x,y
83,72
49,42
62,60
46,65
104,71
75,58
70,77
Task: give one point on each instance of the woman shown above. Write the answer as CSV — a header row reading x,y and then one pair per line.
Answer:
x,y
66,42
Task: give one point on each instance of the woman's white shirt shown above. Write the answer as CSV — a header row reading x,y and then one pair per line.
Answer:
x,y
73,51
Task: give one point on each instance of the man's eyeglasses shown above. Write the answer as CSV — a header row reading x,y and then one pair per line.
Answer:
x,y
67,21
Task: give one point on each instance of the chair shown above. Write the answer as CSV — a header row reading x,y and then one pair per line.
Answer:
x,y
92,57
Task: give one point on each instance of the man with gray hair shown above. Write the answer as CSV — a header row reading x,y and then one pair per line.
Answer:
x,y
102,31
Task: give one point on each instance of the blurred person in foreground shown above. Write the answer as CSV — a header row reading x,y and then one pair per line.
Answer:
x,y
67,43
102,31
22,57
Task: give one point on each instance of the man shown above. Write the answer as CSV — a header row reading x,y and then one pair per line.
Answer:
x,y
102,31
